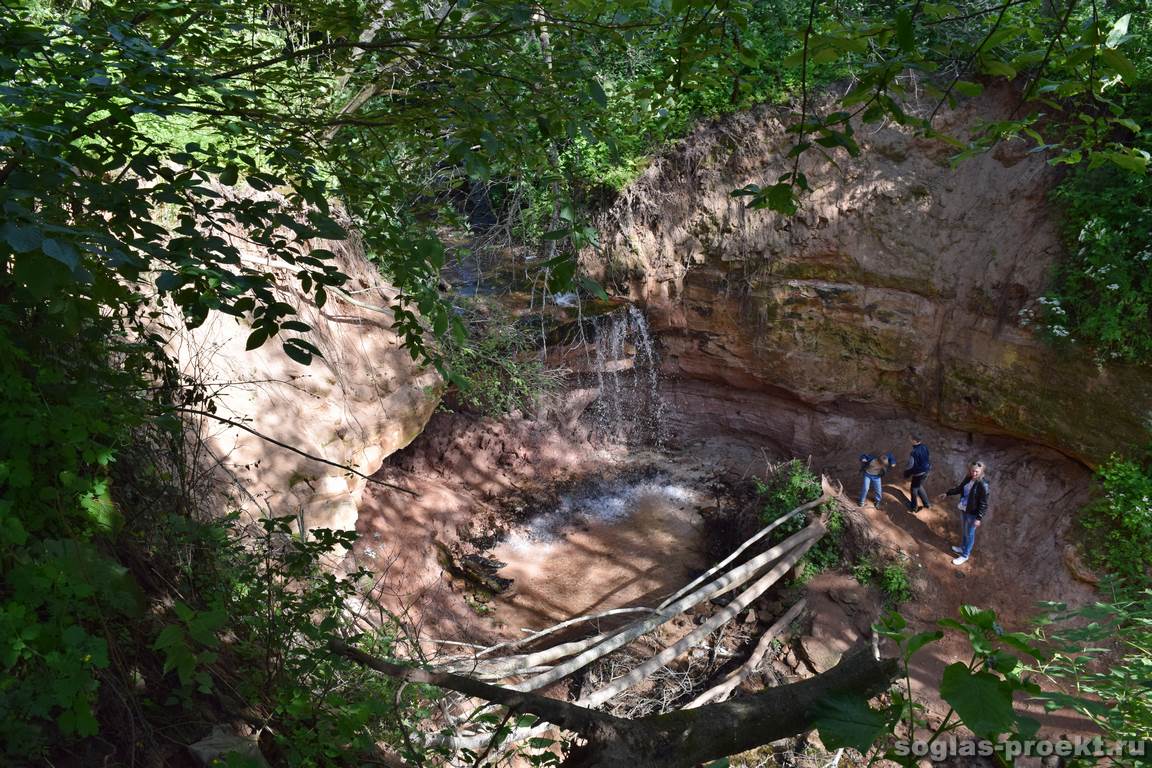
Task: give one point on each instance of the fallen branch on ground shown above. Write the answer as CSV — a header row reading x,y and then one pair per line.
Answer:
x,y
677,739
728,581
701,633
720,691
739,550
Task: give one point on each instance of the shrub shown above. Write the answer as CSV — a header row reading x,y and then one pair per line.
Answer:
x,y
496,366
1102,292
788,486
1118,523
891,577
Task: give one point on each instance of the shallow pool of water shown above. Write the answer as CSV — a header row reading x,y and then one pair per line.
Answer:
x,y
605,545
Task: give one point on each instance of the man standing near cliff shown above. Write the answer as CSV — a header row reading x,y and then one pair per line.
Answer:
x,y
918,467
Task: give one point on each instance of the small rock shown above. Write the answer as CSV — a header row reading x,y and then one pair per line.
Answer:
x,y
221,743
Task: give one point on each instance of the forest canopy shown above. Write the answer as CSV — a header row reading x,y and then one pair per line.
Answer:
x,y
138,141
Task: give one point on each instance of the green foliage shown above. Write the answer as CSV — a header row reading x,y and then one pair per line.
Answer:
x,y
1098,659
981,692
1102,292
279,602
496,367
891,577
1117,525
1102,658
1079,65
788,486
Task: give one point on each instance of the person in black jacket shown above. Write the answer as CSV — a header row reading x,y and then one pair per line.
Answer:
x,y
974,493
918,467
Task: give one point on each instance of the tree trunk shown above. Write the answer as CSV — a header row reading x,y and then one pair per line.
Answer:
x,y
678,739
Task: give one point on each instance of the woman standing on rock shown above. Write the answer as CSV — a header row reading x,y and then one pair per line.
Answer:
x,y
974,493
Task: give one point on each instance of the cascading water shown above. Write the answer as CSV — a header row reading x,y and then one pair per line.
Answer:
x,y
627,368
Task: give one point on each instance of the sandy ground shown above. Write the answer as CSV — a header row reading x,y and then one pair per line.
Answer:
x,y
464,470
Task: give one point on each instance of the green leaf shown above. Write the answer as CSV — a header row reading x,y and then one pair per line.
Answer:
x,y
256,339
998,68
982,700
560,276
22,239
848,721
62,251
904,36
824,55
965,88
230,175
593,287
1129,161
1003,662
781,199
1119,32
1120,64
918,641
982,618
596,91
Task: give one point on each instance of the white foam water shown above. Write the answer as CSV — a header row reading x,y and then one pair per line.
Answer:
x,y
629,407
607,503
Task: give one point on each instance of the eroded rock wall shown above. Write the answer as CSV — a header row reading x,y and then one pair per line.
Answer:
x,y
897,290
362,401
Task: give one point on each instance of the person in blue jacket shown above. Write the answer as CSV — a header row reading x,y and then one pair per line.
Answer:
x,y
974,493
917,469
873,467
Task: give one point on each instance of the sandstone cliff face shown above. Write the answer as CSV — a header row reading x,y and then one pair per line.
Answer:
x,y
364,400
897,289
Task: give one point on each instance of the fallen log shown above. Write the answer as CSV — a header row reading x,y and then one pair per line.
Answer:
x,y
677,739
720,691
701,633
740,550
728,581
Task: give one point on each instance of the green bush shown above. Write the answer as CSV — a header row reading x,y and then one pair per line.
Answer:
x,y
1117,525
891,577
1103,289
789,485
496,367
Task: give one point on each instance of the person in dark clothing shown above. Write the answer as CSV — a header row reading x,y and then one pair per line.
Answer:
x,y
873,467
918,467
974,494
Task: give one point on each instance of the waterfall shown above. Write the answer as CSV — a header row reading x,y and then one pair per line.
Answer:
x,y
627,370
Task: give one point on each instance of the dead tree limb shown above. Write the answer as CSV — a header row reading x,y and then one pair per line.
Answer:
x,y
728,581
739,550
720,691
701,633
678,739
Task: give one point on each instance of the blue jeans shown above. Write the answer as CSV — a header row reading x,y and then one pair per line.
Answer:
x,y
967,533
874,482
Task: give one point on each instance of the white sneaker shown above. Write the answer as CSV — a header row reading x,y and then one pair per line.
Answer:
x,y
957,550
959,560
